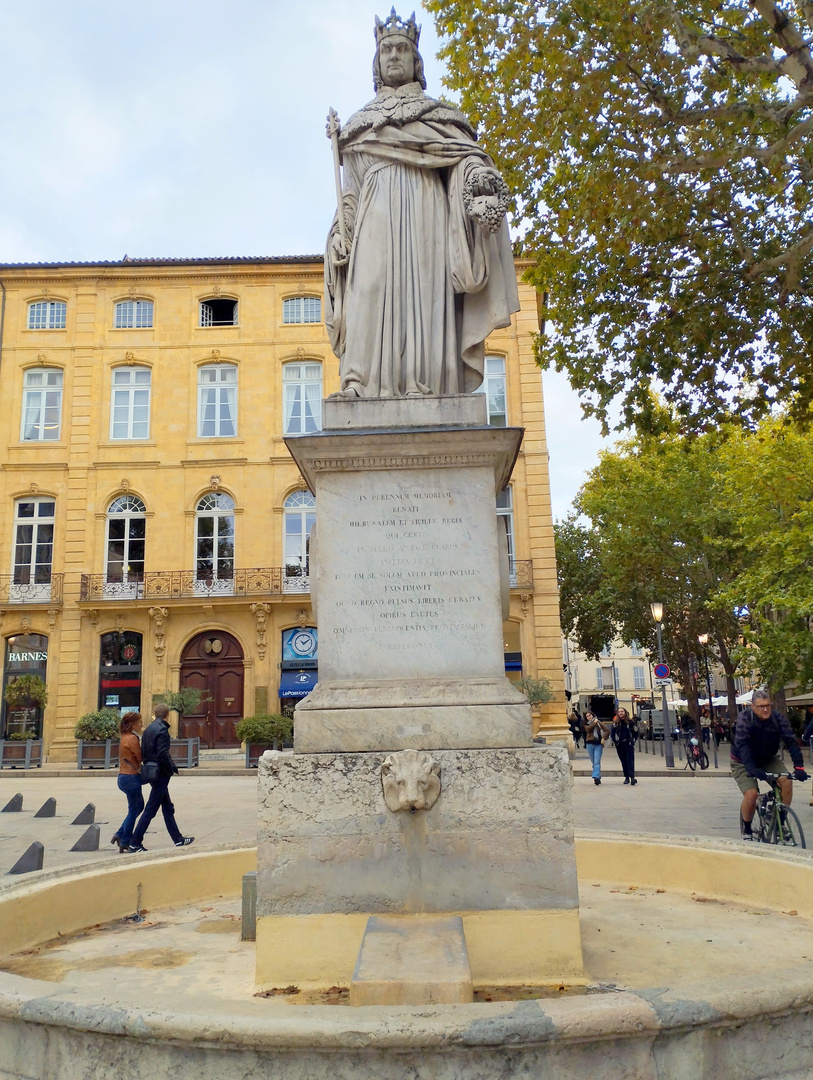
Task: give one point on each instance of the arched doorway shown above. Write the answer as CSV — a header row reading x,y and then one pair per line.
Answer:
x,y
212,662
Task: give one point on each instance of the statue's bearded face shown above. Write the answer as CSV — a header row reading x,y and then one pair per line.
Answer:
x,y
396,59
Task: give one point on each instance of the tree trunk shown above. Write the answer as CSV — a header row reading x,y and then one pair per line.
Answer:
x,y
731,690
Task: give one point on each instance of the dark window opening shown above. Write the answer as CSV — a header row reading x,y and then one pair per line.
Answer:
x,y
218,313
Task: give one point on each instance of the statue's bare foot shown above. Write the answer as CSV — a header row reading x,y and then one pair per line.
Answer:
x,y
350,394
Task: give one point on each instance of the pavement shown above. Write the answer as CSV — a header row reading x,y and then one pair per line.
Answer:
x,y
217,804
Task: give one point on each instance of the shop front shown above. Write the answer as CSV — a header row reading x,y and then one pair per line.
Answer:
x,y
299,666
25,654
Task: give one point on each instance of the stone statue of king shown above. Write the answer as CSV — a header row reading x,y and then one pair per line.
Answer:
x,y
418,266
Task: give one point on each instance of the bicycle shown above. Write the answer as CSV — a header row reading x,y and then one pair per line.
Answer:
x,y
775,823
695,755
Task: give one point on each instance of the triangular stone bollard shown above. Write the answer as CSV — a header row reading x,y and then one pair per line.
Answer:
x,y
89,840
48,809
14,804
86,816
30,860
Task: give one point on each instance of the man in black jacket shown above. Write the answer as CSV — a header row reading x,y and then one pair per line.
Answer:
x,y
755,752
158,767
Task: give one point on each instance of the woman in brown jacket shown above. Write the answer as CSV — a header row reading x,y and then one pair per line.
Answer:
x,y
129,777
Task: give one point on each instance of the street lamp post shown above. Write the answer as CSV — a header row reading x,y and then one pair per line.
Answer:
x,y
657,615
704,640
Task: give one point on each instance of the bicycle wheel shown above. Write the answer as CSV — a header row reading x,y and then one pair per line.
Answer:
x,y
762,825
791,834
691,761
704,760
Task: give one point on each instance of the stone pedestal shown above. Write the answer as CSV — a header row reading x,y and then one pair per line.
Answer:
x,y
414,788
409,572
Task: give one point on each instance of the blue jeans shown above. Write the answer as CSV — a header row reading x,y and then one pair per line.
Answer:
x,y
159,800
131,786
594,752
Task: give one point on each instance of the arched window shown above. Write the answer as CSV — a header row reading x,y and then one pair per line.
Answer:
x,y
124,569
300,517
42,404
47,315
218,312
33,550
214,544
302,398
302,309
130,403
133,315
217,401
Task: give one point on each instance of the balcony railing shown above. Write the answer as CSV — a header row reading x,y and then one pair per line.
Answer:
x,y
521,573
185,584
31,592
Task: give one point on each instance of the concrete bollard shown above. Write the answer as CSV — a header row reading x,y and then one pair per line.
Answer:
x,y
30,860
48,809
14,805
89,840
86,816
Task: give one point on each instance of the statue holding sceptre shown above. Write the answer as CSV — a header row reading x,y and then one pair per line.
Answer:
x,y
418,264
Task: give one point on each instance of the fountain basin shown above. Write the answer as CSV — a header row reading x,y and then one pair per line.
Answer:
x,y
689,1023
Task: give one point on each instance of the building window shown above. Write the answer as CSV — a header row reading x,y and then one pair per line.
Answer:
x,y
120,671
605,651
302,309
599,678
302,398
638,678
635,649
133,315
124,568
217,401
505,515
493,386
299,517
47,315
130,405
33,549
42,405
214,544
26,654
217,312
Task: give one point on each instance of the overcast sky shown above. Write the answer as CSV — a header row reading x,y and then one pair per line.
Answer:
x,y
177,129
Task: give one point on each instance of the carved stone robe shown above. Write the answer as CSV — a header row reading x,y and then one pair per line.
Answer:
x,y
424,285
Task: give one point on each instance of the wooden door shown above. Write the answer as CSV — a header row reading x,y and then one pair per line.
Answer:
x,y
212,662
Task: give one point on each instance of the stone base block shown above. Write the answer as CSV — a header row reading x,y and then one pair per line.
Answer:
x,y
498,841
366,414
412,960
320,731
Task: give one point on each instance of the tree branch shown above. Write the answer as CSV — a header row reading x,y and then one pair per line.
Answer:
x,y
798,63
792,255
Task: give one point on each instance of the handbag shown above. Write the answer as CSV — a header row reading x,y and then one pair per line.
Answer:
x,y
149,772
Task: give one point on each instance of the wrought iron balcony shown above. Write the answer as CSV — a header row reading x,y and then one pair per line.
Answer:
x,y
157,585
31,592
521,574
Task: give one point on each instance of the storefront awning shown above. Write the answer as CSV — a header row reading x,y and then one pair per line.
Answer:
x,y
297,683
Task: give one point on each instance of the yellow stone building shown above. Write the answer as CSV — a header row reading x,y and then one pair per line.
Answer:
x,y
154,527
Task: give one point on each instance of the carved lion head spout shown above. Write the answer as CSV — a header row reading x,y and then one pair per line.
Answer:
x,y
411,780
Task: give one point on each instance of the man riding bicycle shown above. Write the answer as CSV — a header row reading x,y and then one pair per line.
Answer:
x,y
755,753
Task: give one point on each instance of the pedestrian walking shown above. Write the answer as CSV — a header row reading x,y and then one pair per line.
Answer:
x,y
157,769
595,735
574,723
129,777
624,734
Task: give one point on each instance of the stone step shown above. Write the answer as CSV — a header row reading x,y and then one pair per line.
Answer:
x,y
412,960
224,754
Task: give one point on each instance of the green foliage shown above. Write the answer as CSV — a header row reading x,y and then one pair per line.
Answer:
x,y
265,728
184,701
537,691
661,161
25,690
97,726
22,736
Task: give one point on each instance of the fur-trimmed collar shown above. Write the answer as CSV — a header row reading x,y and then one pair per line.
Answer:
x,y
402,105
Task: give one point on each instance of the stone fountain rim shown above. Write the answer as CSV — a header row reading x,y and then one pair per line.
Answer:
x,y
282,1027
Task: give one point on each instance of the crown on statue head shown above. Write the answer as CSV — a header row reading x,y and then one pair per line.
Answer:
x,y
393,25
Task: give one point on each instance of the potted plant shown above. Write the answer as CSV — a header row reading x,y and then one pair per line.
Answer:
x,y
97,735
25,697
264,731
538,692
185,752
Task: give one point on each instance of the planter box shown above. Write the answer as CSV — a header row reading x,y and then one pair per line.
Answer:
x,y
97,755
185,752
20,754
254,751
